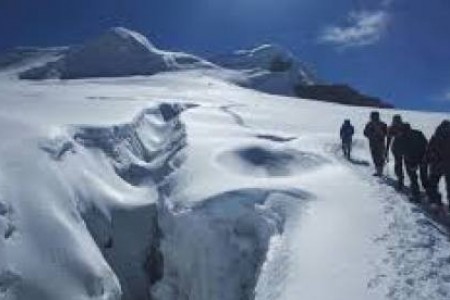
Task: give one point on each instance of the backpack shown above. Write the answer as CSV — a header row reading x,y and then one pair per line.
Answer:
x,y
347,132
375,130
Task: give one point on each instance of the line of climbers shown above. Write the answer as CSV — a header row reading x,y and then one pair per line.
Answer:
x,y
429,160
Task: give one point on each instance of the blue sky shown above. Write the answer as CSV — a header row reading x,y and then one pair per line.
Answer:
x,y
398,50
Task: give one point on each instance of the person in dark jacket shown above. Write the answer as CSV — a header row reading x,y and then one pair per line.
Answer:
x,y
376,132
438,159
413,145
394,132
346,133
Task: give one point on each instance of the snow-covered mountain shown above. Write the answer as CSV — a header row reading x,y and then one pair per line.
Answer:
x,y
118,52
183,186
268,68
122,52
339,93
25,56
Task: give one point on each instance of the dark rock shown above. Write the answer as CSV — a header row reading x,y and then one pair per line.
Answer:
x,y
339,93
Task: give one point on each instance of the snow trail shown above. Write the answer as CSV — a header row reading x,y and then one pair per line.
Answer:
x,y
416,250
339,212
315,240
358,240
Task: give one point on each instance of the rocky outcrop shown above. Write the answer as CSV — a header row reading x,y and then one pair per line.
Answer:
x,y
339,93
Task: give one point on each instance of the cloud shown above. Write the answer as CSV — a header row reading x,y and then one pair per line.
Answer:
x,y
363,28
447,95
387,3
443,96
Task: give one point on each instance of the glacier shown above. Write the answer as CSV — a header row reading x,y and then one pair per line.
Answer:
x,y
184,185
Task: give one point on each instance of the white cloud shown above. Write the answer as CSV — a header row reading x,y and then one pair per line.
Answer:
x,y
442,96
447,95
363,28
386,3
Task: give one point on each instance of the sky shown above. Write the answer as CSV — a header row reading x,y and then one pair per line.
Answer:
x,y
397,50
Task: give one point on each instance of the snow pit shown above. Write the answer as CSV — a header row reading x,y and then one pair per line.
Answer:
x,y
267,161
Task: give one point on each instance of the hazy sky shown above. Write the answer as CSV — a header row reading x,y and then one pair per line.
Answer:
x,y
398,50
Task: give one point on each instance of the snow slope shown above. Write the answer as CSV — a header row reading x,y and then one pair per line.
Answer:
x,y
185,186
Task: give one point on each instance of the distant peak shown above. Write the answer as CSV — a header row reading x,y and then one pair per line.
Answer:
x,y
267,50
122,31
130,35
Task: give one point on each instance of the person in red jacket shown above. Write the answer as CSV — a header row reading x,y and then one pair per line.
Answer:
x,y
438,159
376,132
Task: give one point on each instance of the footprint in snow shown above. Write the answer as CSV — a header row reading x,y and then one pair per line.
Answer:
x,y
6,225
4,208
8,280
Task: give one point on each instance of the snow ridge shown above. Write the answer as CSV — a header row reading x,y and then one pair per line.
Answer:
x,y
143,151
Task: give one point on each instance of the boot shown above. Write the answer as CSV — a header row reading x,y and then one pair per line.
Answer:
x,y
400,185
415,195
379,172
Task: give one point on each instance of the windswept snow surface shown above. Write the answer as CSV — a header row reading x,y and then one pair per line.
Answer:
x,y
184,186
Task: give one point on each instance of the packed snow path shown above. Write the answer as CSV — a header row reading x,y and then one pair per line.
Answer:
x,y
241,196
358,240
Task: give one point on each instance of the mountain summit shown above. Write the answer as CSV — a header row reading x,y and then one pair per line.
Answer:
x,y
268,57
118,52
268,68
